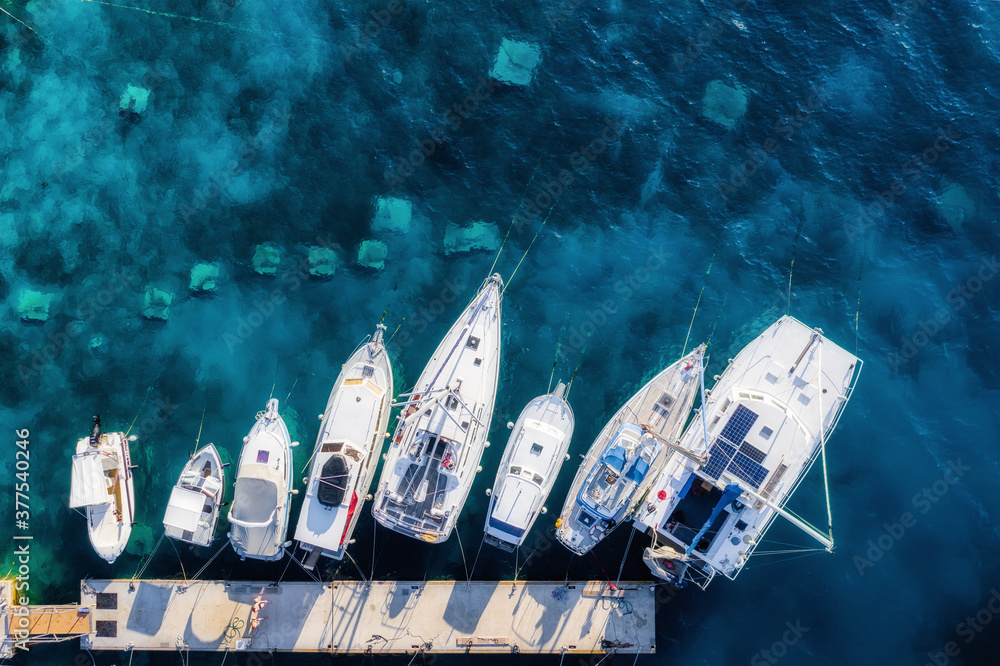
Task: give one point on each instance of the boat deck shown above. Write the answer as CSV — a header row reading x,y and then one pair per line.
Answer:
x,y
386,617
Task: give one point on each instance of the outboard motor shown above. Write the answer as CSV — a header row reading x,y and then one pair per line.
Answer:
x,y
95,434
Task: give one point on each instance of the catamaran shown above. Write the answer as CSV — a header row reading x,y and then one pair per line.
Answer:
x,y
259,513
347,451
768,419
441,434
101,482
623,461
195,502
535,452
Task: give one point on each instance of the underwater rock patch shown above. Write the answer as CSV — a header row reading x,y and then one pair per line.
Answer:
x,y
34,305
516,62
323,261
373,254
392,214
156,304
134,99
266,258
204,277
954,204
724,103
477,236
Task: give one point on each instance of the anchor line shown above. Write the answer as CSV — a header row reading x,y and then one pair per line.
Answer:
x,y
513,219
210,560
698,303
791,266
533,239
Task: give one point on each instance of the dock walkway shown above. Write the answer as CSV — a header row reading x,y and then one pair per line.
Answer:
x,y
353,617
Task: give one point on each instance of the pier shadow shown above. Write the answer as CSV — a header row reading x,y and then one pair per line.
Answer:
x,y
466,605
555,602
149,608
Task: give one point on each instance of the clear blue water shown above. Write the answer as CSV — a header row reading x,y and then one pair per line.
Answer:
x,y
281,121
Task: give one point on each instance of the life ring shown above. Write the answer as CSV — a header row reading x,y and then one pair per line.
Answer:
x,y
596,527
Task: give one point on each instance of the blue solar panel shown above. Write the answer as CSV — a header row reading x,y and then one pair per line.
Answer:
x,y
752,452
739,425
747,470
719,458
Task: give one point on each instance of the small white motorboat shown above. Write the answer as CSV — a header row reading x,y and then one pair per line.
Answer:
x,y
535,452
347,452
195,502
102,483
259,512
627,455
441,435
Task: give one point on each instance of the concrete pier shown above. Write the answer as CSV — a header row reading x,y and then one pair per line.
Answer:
x,y
384,617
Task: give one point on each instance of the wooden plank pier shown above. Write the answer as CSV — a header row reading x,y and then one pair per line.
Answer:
x,y
354,617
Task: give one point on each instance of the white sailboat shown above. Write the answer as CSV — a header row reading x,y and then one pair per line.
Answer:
x,y
441,434
535,452
101,483
259,512
196,500
623,461
767,419
347,451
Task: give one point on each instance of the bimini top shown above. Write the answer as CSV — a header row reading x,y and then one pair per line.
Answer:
x,y
256,498
89,485
184,509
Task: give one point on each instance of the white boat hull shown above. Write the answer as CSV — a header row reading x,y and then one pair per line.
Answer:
x,y
440,437
626,456
259,512
347,451
531,462
764,424
195,501
109,523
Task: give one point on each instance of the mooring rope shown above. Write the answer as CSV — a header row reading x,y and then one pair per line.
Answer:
x,y
698,303
514,219
481,542
624,555
178,559
791,267
533,239
141,406
367,582
210,560
142,569
468,577
166,14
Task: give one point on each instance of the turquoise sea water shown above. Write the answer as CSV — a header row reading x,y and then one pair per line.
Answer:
x,y
863,172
